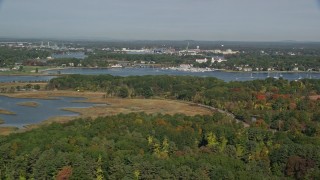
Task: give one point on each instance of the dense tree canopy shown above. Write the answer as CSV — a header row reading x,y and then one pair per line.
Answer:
x,y
164,59
260,62
10,56
140,146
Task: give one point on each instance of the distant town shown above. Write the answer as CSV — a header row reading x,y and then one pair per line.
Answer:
x,y
181,57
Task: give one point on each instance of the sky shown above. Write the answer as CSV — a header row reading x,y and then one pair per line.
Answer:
x,y
216,20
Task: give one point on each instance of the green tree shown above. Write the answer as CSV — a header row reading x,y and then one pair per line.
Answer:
x,y
99,172
123,92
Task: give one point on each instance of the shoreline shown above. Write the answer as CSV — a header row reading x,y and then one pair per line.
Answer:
x,y
6,112
114,106
45,71
29,74
271,72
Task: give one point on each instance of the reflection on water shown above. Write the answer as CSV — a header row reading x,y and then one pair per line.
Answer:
x,y
30,115
226,76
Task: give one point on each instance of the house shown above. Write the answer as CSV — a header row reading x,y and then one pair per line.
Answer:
x,y
247,69
218,59
202,60
71,64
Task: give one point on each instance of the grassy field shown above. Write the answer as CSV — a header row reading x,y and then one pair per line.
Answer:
x,y
3,111
15,84
110,106
29,104
149,106
7,130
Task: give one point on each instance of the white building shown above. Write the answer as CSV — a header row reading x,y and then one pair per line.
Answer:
x,y
202,60
71,64
217,51
218,59
187,53
246,69
295,69
228,51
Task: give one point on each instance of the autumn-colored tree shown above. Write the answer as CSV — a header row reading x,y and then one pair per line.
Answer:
x,y
64,173
298,166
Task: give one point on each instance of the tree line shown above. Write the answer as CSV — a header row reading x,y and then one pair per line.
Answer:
x,y
10,56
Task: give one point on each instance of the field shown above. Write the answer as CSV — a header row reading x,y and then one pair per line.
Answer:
x,y
21,84
3,111
29,104
7,130
149,106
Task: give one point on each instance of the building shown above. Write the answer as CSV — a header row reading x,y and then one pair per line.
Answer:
x,y
247,69
135,51
202,60
228,51
218,59
187,53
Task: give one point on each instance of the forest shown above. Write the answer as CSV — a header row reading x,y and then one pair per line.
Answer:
x,y
10,56
163,59
281,142
140,146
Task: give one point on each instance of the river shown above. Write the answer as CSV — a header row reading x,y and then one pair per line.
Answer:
x,y
25,115
226,76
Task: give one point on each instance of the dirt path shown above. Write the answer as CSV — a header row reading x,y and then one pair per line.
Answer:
x,y
246,125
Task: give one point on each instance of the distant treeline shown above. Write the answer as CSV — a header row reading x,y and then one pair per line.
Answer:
x,y
165,59
259,62
10,56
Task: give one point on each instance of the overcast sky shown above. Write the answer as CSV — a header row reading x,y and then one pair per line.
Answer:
x,y
232,20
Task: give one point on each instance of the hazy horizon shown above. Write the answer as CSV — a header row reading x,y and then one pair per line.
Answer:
x,y
232,20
